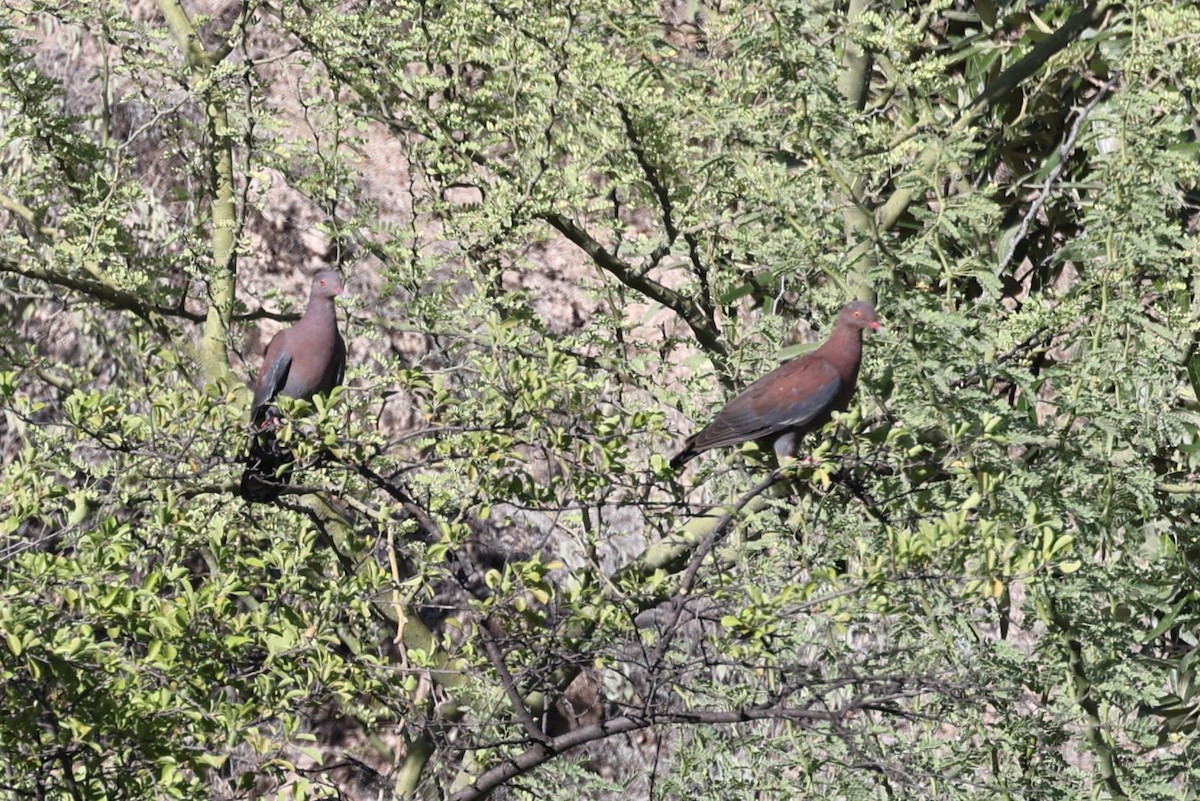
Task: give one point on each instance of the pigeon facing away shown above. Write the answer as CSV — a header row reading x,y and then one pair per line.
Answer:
x,y
302,361
795,398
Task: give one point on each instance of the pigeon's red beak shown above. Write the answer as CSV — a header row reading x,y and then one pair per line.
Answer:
x,y
876,325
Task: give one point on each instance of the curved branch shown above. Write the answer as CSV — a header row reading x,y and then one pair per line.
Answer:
x,y
699,320
714,534
104,293
1036,58
541,753
679,552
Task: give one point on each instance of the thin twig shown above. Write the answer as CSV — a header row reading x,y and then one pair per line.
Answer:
x,y
490,633
1064,154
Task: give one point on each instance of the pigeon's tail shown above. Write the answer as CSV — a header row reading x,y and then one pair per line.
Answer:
x,y
686,454
269,462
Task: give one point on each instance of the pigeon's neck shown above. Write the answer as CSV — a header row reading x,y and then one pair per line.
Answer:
x,y
844,348
320,311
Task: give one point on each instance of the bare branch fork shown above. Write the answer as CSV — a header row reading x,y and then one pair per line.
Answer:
x,y
702,551
546,747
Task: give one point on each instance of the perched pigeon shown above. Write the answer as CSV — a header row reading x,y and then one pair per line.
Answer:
x,y
795,398
307,359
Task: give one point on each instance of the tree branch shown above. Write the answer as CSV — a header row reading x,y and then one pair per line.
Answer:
x,y
213,351
490,633
858,221
1064,153
1081,689
1036,58
701,553
104,293
541,753
699,320
1008,81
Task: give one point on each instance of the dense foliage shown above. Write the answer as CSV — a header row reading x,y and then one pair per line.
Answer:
x,y
571,231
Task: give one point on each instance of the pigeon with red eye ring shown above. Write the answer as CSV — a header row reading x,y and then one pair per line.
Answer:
x,y
794,399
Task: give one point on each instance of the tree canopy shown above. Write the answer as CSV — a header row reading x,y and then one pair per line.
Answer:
x,y
571,232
